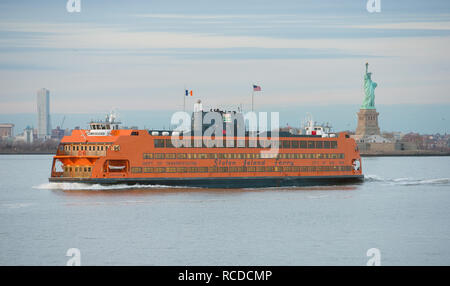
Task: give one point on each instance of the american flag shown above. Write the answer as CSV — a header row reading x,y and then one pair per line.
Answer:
x,y
256,88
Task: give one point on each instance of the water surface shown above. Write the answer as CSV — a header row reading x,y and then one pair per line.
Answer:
x,y
402,209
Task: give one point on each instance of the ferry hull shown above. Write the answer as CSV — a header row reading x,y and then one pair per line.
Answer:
x,y
240,182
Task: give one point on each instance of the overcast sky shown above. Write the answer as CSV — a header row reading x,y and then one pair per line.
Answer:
x,y
140,55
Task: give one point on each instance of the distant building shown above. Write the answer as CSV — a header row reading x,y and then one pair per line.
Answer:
x,y
26,136
43,109
6,130
58,133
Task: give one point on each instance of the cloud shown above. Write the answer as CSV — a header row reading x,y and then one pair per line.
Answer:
x,y
445,26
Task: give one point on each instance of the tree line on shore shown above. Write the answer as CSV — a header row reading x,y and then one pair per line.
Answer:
x,y
48,146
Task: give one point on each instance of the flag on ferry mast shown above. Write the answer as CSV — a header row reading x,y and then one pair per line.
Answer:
x,y
256,88
188,92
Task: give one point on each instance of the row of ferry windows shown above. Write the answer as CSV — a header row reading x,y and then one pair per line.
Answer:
x,y
240,169
85,147
241,156
303,144
77,169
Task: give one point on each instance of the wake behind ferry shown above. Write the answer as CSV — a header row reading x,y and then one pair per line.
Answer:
x,y
106,154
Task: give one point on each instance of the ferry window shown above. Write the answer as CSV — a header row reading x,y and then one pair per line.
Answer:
x,y
197,143
252,143
333,144
311,145
286,144
319,144
148,170
169,143
170,156
212,169
326,144
171,170
294,144
240,143
148,155
136,169
159,143
181,170
181,156
159,156
303,144
134,133
89,169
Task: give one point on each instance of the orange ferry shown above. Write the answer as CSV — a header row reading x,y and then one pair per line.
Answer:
x,y
106,154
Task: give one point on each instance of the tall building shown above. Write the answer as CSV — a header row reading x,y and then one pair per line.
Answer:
x,y
43,109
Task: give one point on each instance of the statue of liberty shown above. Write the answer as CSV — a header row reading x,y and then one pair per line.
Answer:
x,y
369,90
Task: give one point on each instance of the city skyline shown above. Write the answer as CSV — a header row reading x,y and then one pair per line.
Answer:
x,y
143,56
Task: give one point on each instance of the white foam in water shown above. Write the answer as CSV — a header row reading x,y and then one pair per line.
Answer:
x,y
96,187
373,178
17,205
407,181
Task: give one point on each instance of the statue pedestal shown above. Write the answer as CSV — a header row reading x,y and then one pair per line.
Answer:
x,y
367,123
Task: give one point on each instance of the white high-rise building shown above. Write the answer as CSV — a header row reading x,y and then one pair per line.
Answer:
x,y
43,109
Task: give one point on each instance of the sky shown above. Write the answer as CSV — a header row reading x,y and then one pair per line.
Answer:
x,y
139,56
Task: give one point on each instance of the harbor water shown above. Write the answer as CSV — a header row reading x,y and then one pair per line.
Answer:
x,y
402,209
